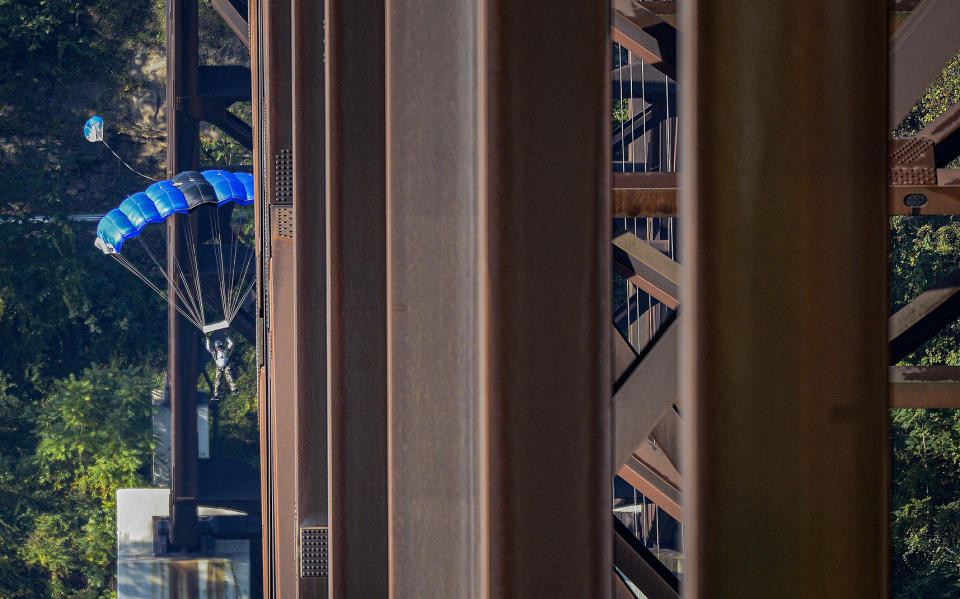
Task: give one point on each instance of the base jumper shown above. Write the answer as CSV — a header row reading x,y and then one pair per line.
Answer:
x,y
221,357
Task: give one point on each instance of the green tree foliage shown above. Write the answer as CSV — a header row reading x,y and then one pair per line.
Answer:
x,y
81,338
94,437
926,504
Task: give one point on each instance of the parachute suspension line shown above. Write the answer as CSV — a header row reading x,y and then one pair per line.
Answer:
x,y
182,290
218,258
188,231
239,295
123,162
129,266
188,304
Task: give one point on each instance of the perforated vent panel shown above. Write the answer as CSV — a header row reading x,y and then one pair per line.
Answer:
x,y
314,552
283,193
282,218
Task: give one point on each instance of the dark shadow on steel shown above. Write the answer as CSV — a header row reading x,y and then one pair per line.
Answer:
x,y
641,566
925,316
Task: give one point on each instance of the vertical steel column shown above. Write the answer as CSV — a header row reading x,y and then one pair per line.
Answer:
x,y
183,153
548,222
357,295
258,70
270,46
499,425
437,502
310,272
783,351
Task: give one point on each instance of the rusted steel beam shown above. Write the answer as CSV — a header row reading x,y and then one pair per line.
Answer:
x,y
651,180
643,568
644,394
944,132
923,200
357,211
235,21
646,267
643,122
927,387
914,324
270,51
622,356
786,436
660,7
654,485
183,152
437,532
667,437
257,72
644,203
918,52
620,588
468,341
641,31
310,248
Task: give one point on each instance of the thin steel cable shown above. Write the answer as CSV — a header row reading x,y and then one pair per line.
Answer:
x,y
629,147
192,253
620,105
666,91
643,93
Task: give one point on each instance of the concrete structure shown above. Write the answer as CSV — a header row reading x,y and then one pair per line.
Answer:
x,y
224,573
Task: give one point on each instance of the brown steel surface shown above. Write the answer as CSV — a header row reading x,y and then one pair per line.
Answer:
x,y
437,525
646,267
283,417
496,399
645,180
310,286
641,31
270,49
914,324
644,395
357,260
643,568
234,20
934,199
644,203
925,387
666,436
622,356
656,487
548,428
944,126
257,71
183,150
785,412
919,50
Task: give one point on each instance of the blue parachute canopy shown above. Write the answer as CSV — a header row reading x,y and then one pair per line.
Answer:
x,y
212,275
181,194
93,129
